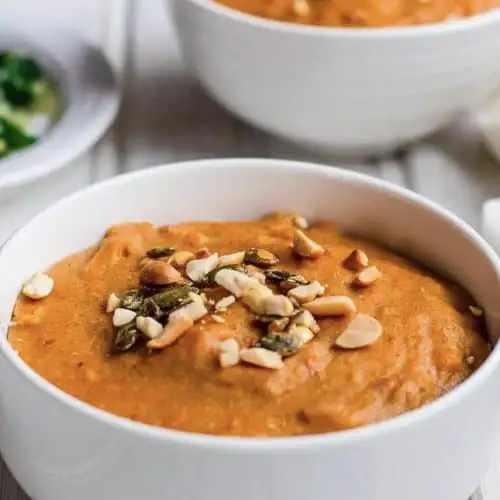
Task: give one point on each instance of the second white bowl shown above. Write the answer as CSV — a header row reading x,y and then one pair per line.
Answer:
x,y
354,91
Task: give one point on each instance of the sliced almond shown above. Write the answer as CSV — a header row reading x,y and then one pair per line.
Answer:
x,y
123,316
278,325
158,272
301,222
198,268
232,259
305,318
476,311
234,282
356,261
149,326
180,259
258,356
254,296
363,331
277,305
113,302
224,303
305,247
194,310
367,277
39,286
229,353
333,305
301,334
175,328
306,293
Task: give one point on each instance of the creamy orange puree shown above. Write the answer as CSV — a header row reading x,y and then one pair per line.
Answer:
x,y
362,13
430,341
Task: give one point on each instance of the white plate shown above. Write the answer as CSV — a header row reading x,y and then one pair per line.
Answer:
x,y
88,91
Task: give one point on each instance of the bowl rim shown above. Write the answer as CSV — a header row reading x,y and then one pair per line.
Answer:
x,y
294,444
477,21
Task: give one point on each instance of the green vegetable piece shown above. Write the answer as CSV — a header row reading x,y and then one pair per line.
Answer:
x,y
280,343
14,136
126,337
160,252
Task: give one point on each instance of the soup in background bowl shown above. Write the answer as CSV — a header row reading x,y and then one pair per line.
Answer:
x,y
71,449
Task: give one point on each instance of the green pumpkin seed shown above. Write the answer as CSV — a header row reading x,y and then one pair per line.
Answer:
x,y
160,252
260,257
173,296
280,343
125,338
133,300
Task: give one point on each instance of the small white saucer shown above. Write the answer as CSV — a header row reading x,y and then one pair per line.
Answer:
x,y
88,90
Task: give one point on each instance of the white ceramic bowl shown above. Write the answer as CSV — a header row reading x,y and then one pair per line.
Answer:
x,y
59,448
354,91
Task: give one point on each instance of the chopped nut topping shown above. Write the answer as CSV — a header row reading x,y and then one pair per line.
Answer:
x,y
253,297
39,286
477,312
361,332
306,293
234,282
277,305
305,318
229,354
301,8
149,326
203,253
224,303
278,325
301,334
357,260
194,310
180,259
158,272
367,277
301,222
334,305
233,259
113,302
217,319
175,328
198,268
262,357
305,247
123,316
260,257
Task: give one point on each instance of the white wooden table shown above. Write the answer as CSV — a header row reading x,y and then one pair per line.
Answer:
x,y
166,117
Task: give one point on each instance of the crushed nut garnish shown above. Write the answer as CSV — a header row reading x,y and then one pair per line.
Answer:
x,y
203,253
301,334
149,326
39,286
180,259
301,222
197,269
234,282
195,310
233,259
305,247
259,356
278,325
123,316
253,297
307,293
305,318
363,331
277,305
260,257
356,261
113,302
476,311
224,303
217,319
158,273
334,305
254,272
229,353
175,328
367,277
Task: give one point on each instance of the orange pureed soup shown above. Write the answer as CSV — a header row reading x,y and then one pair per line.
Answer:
x,y
262,328
362,13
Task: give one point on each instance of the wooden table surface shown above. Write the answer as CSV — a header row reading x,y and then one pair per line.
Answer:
x,y
166,117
